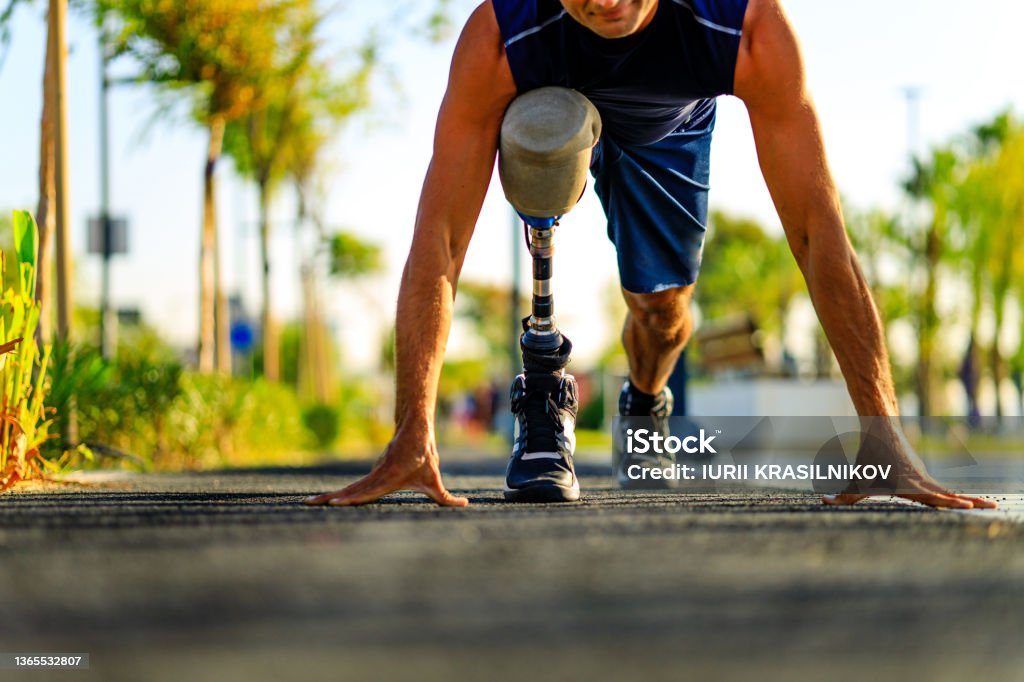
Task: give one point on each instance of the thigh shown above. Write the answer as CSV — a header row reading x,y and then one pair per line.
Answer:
x,y
656,200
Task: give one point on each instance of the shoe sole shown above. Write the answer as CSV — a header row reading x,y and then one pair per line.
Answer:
x,y
543,494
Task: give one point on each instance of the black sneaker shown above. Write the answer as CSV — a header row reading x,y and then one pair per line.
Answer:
x,y
658,411
541,468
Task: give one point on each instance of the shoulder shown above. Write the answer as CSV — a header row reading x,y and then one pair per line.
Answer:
x,y
482,31
769,67
480,82
480,51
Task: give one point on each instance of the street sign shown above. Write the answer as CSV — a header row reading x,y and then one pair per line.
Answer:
x,y
118,230
242,337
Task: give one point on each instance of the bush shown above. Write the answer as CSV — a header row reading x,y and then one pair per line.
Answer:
x,y
121,407
24,427
146,410
219,421
323,421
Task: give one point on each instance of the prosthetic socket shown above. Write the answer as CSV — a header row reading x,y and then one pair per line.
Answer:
x,y
546,140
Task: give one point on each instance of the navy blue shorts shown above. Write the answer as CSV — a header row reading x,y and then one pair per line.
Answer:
x,y
656,200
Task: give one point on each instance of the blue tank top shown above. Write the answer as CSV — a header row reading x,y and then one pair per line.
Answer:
x,y
647,85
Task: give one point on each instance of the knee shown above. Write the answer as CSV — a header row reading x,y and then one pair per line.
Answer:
x,y
664,316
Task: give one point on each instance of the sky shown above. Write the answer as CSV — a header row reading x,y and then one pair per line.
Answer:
x,y
861,57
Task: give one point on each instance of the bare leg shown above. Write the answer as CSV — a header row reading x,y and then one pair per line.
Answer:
x,y
656,331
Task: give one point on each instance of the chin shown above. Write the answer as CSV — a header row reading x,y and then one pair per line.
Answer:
x,y
619,30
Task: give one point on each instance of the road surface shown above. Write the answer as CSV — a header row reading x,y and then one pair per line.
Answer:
x,y
226,576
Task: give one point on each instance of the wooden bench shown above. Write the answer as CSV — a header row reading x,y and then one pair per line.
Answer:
x,y
732,343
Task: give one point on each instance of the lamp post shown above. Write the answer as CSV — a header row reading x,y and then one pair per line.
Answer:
x,y
108,341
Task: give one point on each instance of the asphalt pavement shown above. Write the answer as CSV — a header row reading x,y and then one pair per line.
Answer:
x,y
227,576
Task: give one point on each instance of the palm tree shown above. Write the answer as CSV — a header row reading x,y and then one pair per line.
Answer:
x,y
259,143
222,56
285,137
934,180
987,232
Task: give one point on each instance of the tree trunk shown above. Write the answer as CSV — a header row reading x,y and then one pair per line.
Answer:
x,y
973,361
306,379
57,30
315,379
1000,290
927,325
223,311
62,181
996,367
972,378
208,248
322,364
995,357
271,353
47,189
315,376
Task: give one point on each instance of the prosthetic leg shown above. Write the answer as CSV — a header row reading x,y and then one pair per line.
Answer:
x,y
546,141
544,347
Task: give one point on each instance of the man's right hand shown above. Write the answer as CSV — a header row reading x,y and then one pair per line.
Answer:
x,y
480,88
410,462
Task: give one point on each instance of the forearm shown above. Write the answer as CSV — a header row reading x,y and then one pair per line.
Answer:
x,y
425,304
465,145
444,227
847,312
808,205
792,157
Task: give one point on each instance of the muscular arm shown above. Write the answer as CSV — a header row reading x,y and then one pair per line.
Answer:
x,y
480,87
771,82
465,144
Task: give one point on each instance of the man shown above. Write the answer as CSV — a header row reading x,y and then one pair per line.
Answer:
x,y
653,69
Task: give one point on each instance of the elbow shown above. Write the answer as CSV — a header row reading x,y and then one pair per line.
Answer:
x,y
824,255
433,255
800,246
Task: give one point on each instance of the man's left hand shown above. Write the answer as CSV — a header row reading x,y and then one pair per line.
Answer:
x,y
885,445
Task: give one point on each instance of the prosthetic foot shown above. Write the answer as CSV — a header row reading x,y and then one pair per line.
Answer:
x,y
546,140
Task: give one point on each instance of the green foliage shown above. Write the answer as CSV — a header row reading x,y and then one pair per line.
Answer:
x,y
121,407
873,234
24,426
351,256
591,413
463,376
323,421
219,421
291,340
365,427
387,350
221,52
962,232
147,410
487,307
301,108
10,278
439,22
749,272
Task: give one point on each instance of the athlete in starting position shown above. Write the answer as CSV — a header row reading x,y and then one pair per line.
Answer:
x,y
652,69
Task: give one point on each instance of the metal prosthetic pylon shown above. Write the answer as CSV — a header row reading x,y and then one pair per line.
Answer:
x,y
544,347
